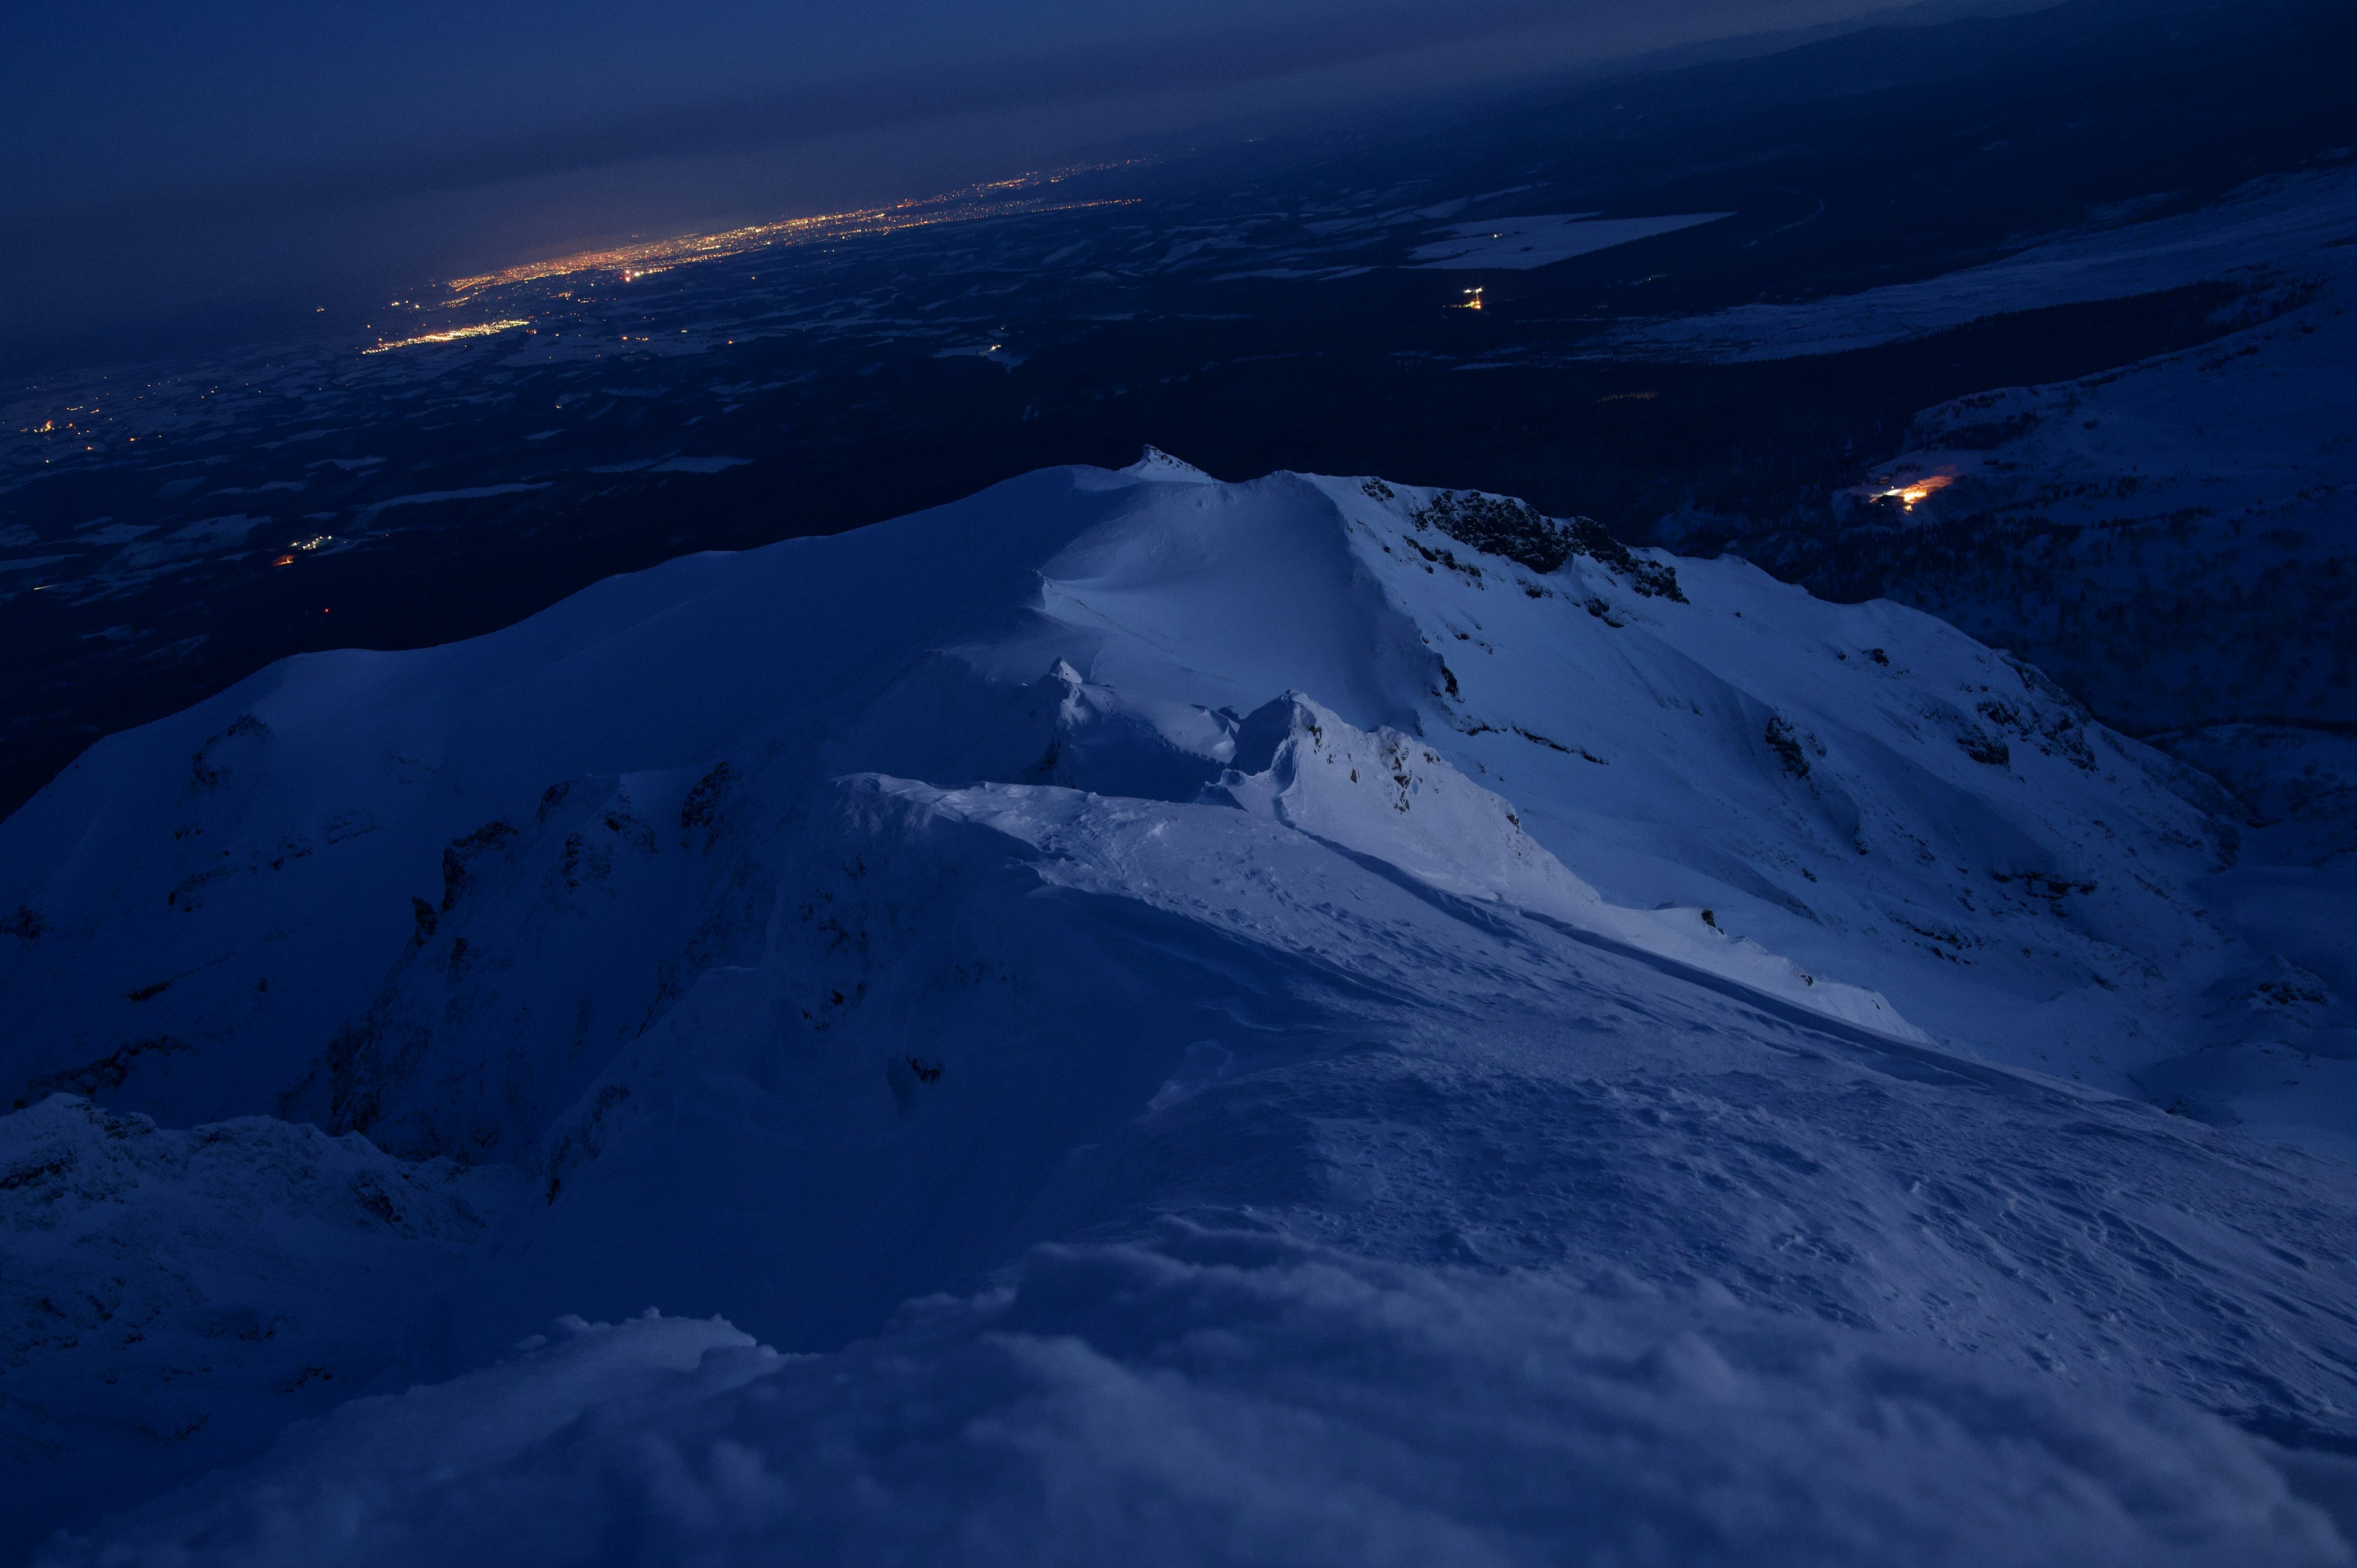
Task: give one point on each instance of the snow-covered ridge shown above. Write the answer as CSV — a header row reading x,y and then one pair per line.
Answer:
x,y
1266,901
519,850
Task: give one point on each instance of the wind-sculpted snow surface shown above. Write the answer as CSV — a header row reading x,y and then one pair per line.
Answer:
x,y
1174,1022
1236,1396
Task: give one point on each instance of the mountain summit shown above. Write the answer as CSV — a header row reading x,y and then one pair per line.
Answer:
x,y
1129,986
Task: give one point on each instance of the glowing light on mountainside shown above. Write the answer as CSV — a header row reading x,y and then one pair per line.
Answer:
x,y
1914,491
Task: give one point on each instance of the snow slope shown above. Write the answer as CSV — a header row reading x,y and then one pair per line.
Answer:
x,y
2173,540
157,1281
1402,1028
2212,489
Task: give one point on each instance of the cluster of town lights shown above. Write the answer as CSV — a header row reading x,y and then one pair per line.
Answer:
x,y
630,263
311,543
453,334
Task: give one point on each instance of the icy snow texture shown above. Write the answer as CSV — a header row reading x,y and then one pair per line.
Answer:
x,y
1349,1047
1237,1398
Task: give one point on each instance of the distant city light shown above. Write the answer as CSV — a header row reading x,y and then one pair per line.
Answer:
x,y
630,262
451,336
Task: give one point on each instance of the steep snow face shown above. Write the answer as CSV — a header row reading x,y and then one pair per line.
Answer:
x,y
1834,782
1234,918
1389,798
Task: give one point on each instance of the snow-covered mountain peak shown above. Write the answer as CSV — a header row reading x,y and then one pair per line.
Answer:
x,y
1157,463
793,934
1858,789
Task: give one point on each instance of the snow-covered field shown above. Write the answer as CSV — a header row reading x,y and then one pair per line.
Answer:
x,y
2280,222
1295,1022
1520,244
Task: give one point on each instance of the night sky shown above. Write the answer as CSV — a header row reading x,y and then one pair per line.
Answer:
x,y
176,169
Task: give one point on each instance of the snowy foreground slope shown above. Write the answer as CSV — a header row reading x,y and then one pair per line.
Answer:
x,y
1299,1021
